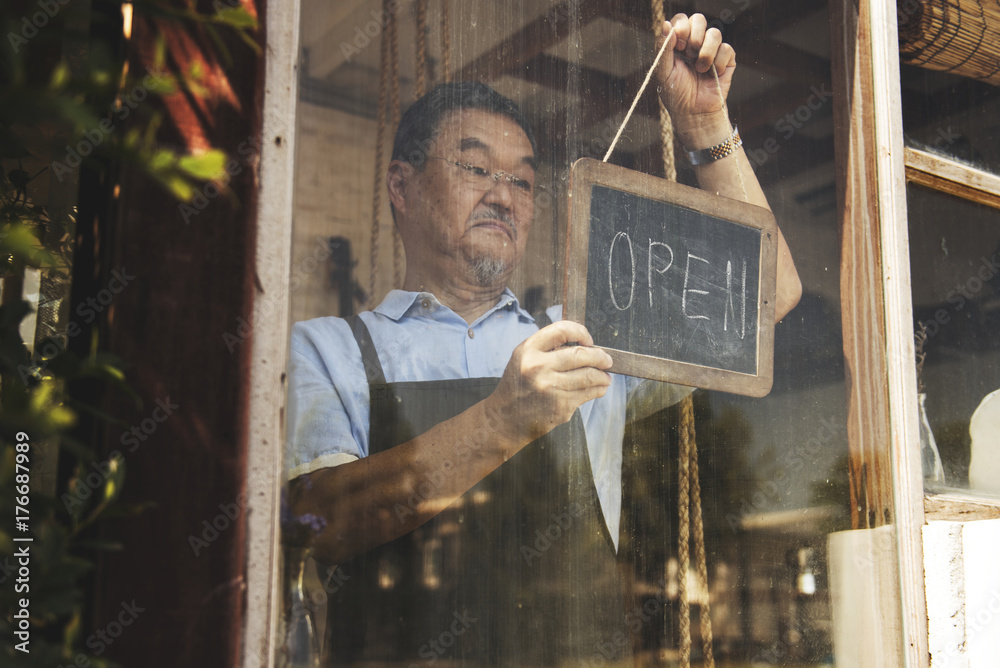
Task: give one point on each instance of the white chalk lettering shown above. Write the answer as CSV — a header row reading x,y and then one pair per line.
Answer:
x,y
611,283
684,293
729,301
649,266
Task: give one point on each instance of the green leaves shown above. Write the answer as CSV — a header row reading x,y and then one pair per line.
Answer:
x,y
208,166
236,17
179,173
60,76
18,243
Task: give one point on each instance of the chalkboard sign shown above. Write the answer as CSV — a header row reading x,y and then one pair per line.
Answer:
x,y
677,284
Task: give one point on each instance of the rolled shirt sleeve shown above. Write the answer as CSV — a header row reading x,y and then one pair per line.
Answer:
x,y
328,400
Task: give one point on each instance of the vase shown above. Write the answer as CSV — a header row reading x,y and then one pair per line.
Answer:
x,y
301,645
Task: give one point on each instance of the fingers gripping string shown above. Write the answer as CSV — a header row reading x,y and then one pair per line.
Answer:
x,y
666,127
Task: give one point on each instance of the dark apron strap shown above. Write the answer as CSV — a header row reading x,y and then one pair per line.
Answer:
x,y
369,356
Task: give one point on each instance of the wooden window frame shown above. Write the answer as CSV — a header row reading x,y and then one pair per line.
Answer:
x,y
952,177
877,312
874,167
957,179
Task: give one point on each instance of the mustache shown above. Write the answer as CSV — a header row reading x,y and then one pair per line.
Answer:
x,y
495,213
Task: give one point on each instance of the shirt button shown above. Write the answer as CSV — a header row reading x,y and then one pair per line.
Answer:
x,y
472,334
426,303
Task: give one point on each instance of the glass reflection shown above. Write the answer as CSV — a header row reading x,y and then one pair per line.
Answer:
x,y
773,471
955,261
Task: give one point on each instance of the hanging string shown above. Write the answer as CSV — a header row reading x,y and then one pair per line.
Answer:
x,y
649,75
446,40
393,30
383,89
421,65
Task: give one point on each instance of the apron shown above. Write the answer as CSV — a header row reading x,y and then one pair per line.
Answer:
x,y
519,571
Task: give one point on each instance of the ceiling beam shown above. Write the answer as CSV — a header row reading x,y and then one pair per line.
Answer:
x,y
513,53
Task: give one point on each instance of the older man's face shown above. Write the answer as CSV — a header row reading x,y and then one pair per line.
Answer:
x,y
457,212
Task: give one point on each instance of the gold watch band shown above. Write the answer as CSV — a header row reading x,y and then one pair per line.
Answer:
x,y
717,152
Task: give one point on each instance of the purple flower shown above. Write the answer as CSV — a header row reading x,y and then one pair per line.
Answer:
x,y
298,529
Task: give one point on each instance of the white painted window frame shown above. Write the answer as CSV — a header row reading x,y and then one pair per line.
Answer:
x,y
270,335
907,475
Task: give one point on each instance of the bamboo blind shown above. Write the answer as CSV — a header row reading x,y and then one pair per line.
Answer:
x,y
958,36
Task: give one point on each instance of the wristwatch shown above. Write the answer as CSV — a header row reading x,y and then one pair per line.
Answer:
x,y
717,152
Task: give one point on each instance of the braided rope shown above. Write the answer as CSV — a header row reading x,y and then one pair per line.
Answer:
x,y
667,139
689,482
446,40
699,535
383,77
421,79
666,124
393,30
684,550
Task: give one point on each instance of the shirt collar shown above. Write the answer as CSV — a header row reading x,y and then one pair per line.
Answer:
x,y
400,302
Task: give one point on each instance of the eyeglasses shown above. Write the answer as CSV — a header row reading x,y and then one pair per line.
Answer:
x,y
482,178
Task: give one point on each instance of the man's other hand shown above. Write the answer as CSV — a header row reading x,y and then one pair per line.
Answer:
x,y
549,376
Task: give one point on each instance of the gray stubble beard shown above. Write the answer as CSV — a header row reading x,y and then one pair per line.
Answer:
x,y
487,268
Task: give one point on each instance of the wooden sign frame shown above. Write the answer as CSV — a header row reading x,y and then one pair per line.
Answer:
x,y
585,174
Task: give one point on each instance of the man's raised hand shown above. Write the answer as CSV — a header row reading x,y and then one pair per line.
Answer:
x,y
687,85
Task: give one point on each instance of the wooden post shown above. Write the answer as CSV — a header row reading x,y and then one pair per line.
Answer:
x,y
885,478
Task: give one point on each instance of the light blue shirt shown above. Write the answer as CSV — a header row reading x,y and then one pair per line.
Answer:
x,y
419,339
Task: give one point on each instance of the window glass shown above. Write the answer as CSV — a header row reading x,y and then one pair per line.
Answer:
x,y
955,271
585,568
954,244
954,116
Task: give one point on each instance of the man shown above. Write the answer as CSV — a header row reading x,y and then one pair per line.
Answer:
x,y
465,457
